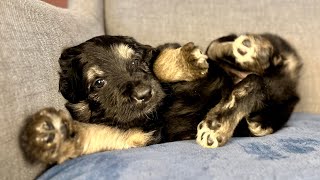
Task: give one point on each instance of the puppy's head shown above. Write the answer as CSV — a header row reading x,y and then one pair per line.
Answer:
x,y
108,80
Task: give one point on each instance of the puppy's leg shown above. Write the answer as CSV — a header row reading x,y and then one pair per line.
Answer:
x,y
249,49
52,136
272,117
221,48
186,63
218,126
258,125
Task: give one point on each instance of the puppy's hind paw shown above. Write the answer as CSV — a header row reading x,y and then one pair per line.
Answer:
x,y
212,134
48,136
252,49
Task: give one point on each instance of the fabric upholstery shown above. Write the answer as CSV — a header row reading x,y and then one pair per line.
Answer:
x,y
32,36
155,22
292,153
33,33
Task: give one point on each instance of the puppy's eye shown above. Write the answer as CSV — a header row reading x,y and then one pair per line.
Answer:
x,y
99,83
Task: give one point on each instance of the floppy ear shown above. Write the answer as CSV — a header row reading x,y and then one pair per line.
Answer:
x,y
71,84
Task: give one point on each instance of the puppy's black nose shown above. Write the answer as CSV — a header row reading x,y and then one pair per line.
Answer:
x,y
142,93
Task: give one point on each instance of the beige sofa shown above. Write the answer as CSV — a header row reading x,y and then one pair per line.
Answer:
x,y
33,33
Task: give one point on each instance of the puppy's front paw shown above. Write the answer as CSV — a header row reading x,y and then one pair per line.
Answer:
x,y
212,134
48,136
252,49
196,60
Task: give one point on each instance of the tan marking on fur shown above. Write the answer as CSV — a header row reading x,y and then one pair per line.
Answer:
x,y
238,93
93,72
92,138
292,64
95,138
169,65
255,129
241,92
230,104
80,107
123,50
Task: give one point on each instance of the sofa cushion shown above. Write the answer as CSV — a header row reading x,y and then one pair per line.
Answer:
x,y
155,22
32,36
291,153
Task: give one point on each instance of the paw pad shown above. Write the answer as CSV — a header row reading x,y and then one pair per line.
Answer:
x,y
244,49
209,138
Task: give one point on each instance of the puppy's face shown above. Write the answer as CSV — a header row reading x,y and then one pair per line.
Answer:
x,y
108,79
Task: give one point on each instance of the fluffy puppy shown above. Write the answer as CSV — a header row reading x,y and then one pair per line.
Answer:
x,y
113,97
116,102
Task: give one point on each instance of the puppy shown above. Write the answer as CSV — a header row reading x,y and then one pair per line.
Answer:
x,y
113,97
112,91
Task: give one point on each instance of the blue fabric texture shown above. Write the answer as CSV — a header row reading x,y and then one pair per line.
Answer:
x,y
291,153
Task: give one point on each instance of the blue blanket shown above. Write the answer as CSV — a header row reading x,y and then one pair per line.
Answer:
x,y
291,153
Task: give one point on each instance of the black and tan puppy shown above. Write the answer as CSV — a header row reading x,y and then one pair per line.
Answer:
x,y
116,102
113,97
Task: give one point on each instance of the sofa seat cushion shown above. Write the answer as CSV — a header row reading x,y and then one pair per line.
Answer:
x,y
291,153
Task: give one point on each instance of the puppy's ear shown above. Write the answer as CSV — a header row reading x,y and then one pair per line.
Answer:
x,y
71,83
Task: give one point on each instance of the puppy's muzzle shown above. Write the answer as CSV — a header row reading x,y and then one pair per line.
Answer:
x,y
141,93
